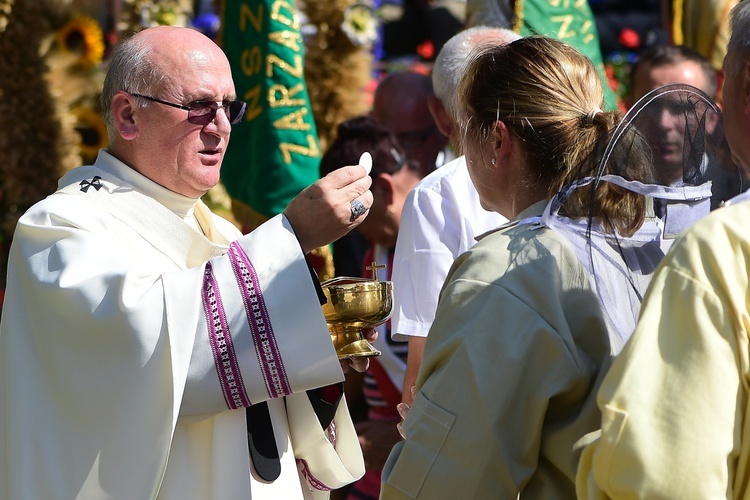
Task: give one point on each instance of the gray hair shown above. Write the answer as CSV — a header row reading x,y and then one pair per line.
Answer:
x,y
451,61
739,42
130,69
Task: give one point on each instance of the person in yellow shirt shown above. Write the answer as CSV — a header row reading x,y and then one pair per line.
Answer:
x,y
675,402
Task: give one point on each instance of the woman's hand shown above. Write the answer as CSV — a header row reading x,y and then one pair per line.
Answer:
x,y
403,410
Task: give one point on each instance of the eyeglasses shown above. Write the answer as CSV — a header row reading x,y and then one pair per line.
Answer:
x,y
386,167
414,139
203,112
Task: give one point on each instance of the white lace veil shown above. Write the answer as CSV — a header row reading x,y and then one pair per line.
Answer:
x,y
676,126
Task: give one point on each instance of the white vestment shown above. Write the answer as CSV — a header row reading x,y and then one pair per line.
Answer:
x,y
130,344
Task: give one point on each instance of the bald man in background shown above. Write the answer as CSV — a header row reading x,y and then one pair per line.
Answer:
x,y
401,105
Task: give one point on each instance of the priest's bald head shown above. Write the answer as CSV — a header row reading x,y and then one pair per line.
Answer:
x,y
169,103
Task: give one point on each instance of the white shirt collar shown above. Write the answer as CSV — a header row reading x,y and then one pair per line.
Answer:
x,y
181,205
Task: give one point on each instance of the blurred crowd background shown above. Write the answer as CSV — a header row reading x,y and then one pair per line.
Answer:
x,y
54,53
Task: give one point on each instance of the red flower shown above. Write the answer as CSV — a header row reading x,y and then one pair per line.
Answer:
x,y
426,49
629,39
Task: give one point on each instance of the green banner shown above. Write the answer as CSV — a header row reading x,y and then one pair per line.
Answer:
x,y
570,21
273,153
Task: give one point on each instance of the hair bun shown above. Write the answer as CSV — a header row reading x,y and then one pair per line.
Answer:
x,y
588,119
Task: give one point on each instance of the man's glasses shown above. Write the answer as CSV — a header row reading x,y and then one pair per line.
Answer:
x,y
412,140
203,112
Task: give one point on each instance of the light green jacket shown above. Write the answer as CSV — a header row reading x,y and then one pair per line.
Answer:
x,y
508,379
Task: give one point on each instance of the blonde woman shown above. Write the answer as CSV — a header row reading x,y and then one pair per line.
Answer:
x,y
507,385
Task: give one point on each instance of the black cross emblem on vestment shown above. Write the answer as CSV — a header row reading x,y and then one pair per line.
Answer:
x,y
85,185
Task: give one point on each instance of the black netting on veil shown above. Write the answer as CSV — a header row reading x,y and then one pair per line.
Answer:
x,y
662,156
682,130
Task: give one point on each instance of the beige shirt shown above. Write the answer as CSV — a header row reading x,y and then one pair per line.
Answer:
x,y
675,402
507,384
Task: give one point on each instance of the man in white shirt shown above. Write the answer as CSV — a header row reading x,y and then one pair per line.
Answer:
x,y
442,215
138,326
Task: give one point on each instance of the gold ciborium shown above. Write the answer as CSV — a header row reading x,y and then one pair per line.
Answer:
x,y
353,304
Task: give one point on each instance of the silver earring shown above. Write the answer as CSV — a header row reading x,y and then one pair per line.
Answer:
x,y
492,161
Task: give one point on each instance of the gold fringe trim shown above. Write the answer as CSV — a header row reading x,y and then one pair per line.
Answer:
x,y
518,11
678,37
325,256
248,220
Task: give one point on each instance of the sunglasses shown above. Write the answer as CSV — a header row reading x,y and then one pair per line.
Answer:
x,y
414,139
203,112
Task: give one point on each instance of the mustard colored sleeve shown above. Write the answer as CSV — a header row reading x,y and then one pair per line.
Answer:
x,y
673,403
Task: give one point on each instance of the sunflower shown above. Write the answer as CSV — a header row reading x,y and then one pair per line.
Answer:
x,y
93,132
6,8
82,35
360,25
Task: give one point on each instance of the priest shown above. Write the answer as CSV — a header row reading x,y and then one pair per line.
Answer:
x,y
147,348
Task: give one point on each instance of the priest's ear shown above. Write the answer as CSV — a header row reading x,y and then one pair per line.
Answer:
x,y
123,116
